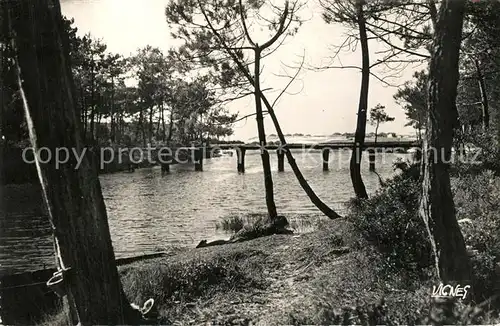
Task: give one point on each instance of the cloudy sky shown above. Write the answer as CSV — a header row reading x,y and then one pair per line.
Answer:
x,y
318,102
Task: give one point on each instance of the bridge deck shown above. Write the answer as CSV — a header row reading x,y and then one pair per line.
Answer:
x,y
196,155
335,145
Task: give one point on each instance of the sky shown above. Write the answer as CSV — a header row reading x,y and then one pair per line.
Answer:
x,y
317,103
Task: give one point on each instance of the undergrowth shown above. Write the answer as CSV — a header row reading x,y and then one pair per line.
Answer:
x,y
390,222
180,281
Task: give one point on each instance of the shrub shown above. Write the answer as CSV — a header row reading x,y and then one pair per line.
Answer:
x,y
483,269
231,224
235,223
189,279
488,157
477,198
390,221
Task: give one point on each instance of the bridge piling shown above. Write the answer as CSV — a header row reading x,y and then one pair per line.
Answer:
x,y
281,160
165,161
240,154
326,157
165,168
371,158
198,159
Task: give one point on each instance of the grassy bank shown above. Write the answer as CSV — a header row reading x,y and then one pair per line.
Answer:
x,y
298,279
372,267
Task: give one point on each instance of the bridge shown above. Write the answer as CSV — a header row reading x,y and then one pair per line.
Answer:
x,y
166,156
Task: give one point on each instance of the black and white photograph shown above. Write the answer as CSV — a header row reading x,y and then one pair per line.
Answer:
x,y
249,162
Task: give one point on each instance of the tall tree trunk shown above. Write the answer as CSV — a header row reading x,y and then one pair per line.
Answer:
x,y
73,195
98,125
158,129
158,123
484,97
291,160
84,111
171,126
122,124
437,207
266,165
112,111
3,96
163,126
359,137
150,127
143,130
433,12
325,209
140,126
92,100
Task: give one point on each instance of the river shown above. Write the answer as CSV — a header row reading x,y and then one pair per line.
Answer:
x,y
149,212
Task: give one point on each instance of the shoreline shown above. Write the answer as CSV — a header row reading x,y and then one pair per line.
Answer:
x,y
26,293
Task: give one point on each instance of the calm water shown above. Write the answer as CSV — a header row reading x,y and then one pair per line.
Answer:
x,y
148,212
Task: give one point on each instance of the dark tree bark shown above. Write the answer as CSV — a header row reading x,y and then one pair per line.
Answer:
x,y
163,126
484,97
73,195
150,127
266,165
437,207
359,136
92,100
140,127
112,111
171,126
158,123
83,112
99,114
433,12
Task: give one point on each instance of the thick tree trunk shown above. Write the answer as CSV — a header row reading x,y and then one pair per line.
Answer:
x,y
359,137
433,12
484,97
266,165
437,207
73,196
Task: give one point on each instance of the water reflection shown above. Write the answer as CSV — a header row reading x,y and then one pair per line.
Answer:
x,y
148,212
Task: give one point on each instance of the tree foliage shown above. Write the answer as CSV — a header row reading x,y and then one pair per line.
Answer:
x,y
412,96
379,116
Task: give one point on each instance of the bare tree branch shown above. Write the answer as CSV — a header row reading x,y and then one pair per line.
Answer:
x,y
290,82
280,31
247,34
